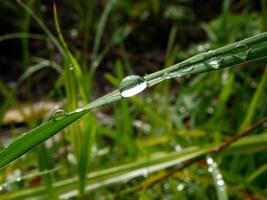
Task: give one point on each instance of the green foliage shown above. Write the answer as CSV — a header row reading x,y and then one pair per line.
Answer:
x,y
149,146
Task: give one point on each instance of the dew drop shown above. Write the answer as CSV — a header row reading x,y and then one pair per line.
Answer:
x,y
215,62
166,76
59,114
187,69
78,110
132,85
145,172
180,187
175,74
241,51
71,67
220,182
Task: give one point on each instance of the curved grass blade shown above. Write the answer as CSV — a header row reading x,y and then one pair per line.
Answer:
x,y
244,51
116,174
11,36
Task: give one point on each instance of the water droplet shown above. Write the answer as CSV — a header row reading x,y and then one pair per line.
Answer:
x,y
220,182
175,74
145,172
73,33
166,76
132,85
187,69
209,160
219,176
178,148
210,169
71,67
241,51
210,110
215,62
182,109
180,187
78,110
59,114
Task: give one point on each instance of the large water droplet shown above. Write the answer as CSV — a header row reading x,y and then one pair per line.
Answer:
x,y
132,85
215,62
241,51
59,114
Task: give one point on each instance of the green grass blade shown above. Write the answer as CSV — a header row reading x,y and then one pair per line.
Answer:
x,y
254,102
218,179
101,178
11,36
100,29
256,44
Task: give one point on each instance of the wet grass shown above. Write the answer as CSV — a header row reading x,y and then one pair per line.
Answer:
x,y
154,144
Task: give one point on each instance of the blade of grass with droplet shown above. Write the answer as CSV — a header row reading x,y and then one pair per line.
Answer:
x,y
218,179
257,44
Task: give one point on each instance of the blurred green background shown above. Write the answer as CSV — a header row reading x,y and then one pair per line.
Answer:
x,y
107,154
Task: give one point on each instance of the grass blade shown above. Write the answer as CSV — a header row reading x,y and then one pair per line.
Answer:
x,y
257,49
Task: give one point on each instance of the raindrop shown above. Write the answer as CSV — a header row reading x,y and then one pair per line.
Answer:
x,y
175,74
178,148
132,85
220,182
166,76
209,160
187,69
59,114
215,62
241,51
182,109
210,169
219,176
210,110
145,172
180,187
78,110
73,33
71,67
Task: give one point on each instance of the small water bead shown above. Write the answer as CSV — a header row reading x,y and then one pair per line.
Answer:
x,y
78,110
241,51
180,187
166,76
71,67
59,114
132,85
175,74
215,62
145,172
186,70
